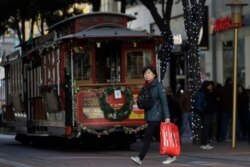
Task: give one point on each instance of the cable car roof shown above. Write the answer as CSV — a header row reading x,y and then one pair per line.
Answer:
x,y
92,16
109,31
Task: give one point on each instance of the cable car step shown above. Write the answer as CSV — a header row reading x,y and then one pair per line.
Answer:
x,y
37,134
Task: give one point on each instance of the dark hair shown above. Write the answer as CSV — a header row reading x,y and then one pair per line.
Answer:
x,y
228,81
151,68
205,84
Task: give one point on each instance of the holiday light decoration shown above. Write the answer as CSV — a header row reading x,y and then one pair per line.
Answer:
x,y
166,49
193,19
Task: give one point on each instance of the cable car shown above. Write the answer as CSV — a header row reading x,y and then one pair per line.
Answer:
x,y
81,79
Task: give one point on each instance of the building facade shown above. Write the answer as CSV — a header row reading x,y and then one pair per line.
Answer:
x,y
222,39
217,58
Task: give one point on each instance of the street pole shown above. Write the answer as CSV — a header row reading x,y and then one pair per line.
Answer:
x,y
236,9
235,71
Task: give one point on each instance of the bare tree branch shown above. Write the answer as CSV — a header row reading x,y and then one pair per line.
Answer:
x,y
123,6
150,5
163,6
185,3
168,9
193,2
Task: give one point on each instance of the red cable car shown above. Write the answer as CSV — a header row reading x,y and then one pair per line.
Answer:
x,y
81,79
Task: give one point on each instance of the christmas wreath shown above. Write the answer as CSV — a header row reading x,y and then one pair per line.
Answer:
x,y
116,114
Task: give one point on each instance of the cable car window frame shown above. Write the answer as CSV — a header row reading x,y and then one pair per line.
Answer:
x,y
136,63
82,55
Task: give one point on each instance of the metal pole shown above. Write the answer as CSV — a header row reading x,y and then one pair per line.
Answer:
x,y
235,69
72,84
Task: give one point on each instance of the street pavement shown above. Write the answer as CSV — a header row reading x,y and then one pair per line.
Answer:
x,y
222,155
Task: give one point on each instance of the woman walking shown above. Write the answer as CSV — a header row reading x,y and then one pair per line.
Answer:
x,y
157,113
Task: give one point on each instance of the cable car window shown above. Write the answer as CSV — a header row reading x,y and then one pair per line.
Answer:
x,y
108,62
136,60
49,68
82,64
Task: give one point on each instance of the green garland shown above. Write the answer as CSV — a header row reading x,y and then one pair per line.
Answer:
x,y
120,114
127,130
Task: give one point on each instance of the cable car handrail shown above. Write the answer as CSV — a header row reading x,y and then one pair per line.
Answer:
x,y
132,86
108,84
105,25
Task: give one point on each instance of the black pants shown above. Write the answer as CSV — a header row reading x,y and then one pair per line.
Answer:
x,y
205,132
153,126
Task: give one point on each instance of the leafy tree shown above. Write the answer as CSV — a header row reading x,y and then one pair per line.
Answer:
x,y
3,16
96,5
15,13
50,12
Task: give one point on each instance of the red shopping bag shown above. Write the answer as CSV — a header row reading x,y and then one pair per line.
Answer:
x,y
169,139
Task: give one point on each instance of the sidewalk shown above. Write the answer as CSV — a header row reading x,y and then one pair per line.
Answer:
x,y
222,155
